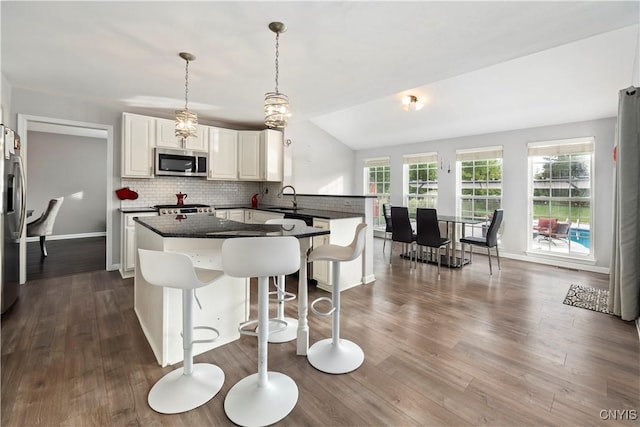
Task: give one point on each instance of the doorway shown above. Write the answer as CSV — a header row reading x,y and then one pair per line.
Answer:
x,y
28,123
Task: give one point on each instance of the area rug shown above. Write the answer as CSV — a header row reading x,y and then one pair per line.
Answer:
x,y
587,297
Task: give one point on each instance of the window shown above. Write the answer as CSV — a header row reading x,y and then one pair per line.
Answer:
x,y
479,185
561,197
420,182
377,182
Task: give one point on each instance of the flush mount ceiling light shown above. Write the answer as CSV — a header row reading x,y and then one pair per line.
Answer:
x,y
411,103
186,121
276,104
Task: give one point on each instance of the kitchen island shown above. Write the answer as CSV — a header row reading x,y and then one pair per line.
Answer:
x,y
225,304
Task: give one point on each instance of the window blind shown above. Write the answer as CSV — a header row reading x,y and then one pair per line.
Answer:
x,y
420,158
558,148
379,161
484,153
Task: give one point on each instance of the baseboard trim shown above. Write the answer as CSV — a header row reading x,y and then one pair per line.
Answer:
x,y
70,236
368,279
557,263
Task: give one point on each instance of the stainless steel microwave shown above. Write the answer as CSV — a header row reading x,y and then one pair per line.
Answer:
x,y
180,162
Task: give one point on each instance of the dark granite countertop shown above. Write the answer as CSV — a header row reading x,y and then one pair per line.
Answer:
x,y
302,212
210,226
138,209
312,213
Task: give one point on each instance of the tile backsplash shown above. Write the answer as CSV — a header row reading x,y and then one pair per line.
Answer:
x,y
163,190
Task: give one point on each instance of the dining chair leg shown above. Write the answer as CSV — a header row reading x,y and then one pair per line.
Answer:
x,y
489,253
43,247
439,258
498,256
390,252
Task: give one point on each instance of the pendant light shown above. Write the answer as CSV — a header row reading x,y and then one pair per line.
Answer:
x,y
276,104
186,121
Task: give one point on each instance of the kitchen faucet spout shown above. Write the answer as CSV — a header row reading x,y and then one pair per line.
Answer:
x,y
281,193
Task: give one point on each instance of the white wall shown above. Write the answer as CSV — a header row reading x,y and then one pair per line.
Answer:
x,y
515,229
74,167
5,97
321,163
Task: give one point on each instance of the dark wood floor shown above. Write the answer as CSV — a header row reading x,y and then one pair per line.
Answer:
x,y
66,257
470,349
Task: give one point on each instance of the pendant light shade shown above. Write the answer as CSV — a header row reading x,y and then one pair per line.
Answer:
x,y
276,104
186,121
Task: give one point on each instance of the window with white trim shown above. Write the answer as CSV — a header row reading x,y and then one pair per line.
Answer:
x,y
420,181
560,197
377,182
479,185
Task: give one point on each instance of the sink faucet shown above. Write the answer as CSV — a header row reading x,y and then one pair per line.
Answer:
x,y
281,193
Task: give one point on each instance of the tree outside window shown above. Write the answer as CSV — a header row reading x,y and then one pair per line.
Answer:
x,y
421,182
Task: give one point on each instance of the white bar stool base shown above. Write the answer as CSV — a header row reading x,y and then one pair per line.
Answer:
x,y
290,333
247,404
175,392
332,359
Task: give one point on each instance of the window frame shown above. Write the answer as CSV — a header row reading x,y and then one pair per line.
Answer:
x,y
565,147
381,197
428,200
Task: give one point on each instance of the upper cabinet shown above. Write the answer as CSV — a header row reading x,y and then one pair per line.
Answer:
x,y
138,140
223,154
233,155
249,155
166,137
273,155
260,155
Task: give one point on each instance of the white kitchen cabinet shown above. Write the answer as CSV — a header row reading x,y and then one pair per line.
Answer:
x,y
223,154
321,269
249,155
252,216
128,243
166,137
138,140
231,214
260,155
272,155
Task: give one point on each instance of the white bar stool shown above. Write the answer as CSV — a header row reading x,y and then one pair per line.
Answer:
x,y
265,397
192,385
335,355
290,332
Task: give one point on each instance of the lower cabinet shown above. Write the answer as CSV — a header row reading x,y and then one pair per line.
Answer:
x,y
232,214
128,243
259,217
321,269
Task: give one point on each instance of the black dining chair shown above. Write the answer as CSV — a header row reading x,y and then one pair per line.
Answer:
x,y
428,232
386,211
401,230
489,241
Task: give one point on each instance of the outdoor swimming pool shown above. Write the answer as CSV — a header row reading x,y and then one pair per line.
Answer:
x,y
581,236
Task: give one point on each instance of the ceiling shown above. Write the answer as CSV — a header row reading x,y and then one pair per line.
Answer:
x,y
480,66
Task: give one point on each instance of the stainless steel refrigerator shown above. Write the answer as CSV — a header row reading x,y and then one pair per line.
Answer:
x,y
13,208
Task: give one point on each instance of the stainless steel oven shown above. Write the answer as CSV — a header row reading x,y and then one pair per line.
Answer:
x,y
180,162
